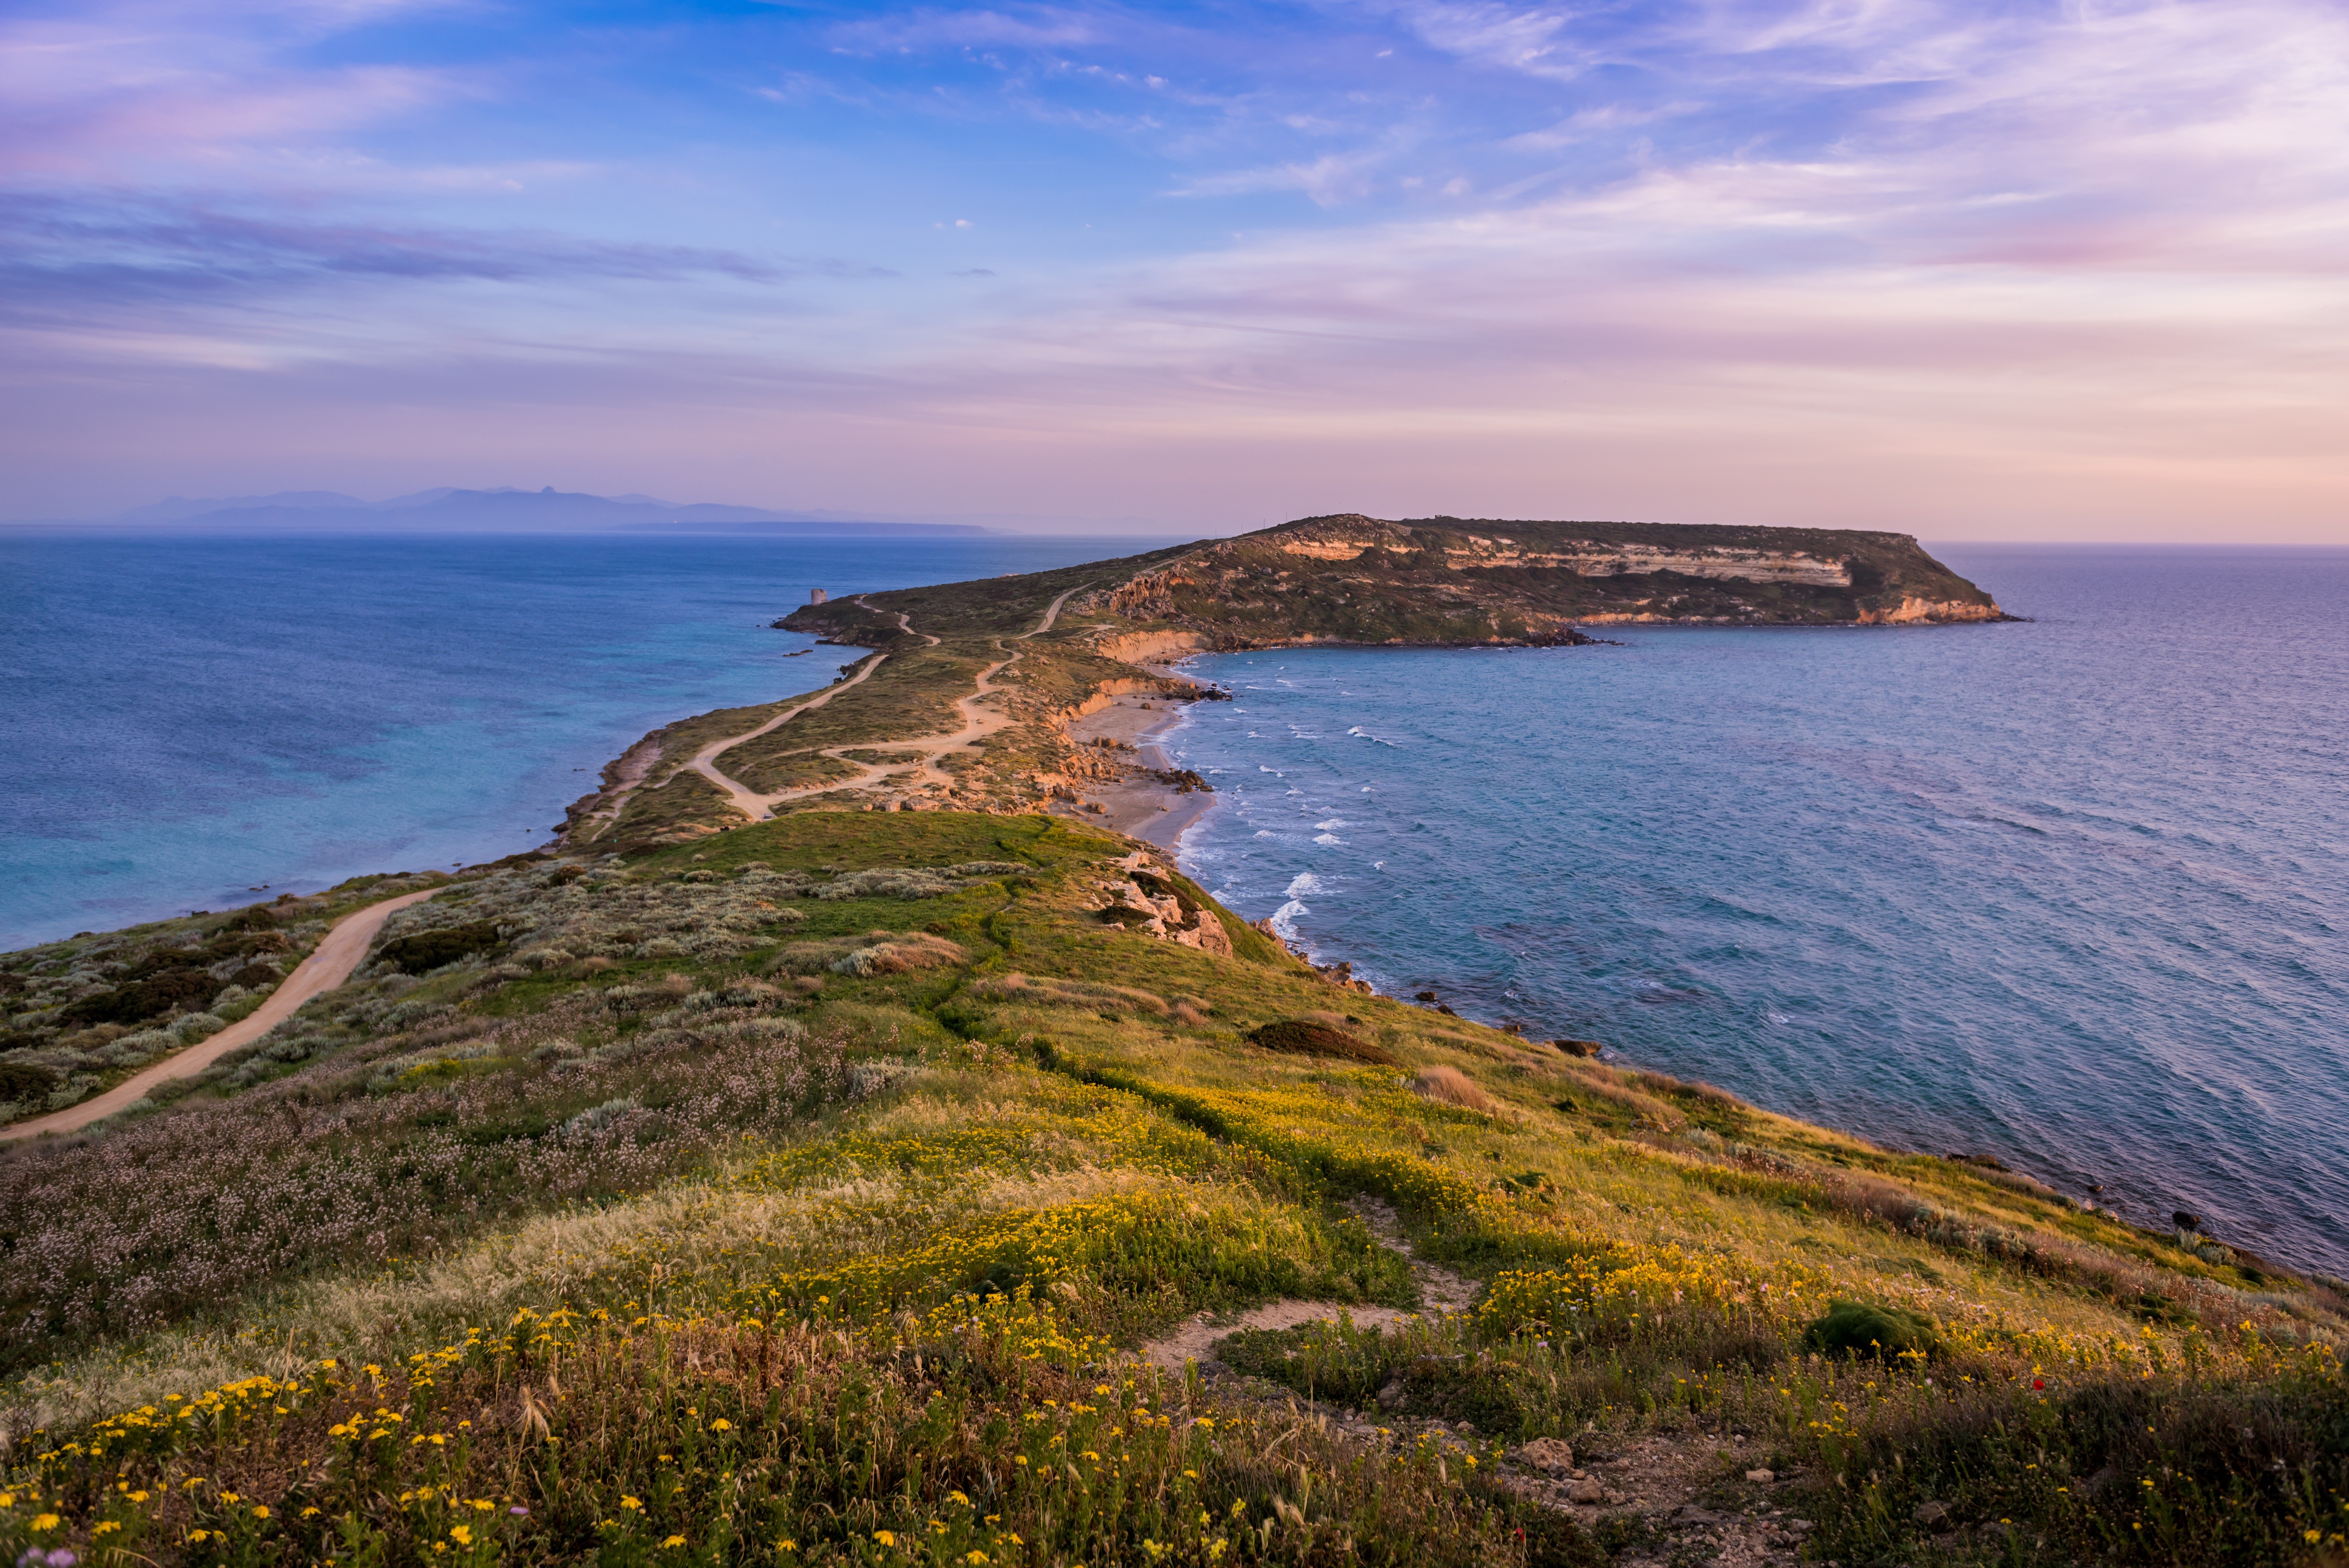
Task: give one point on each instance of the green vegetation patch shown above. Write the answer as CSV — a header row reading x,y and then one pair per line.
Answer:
x,y
428,950
1300,1037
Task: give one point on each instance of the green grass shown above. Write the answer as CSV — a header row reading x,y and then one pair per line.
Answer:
x,y
882,1319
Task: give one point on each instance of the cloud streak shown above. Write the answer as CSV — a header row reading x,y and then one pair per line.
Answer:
x,y
1894,263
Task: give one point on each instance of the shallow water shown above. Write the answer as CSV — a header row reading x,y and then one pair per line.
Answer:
x,y
2070,892
188,719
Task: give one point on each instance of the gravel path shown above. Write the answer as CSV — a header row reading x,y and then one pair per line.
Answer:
x,y
329,964
977,724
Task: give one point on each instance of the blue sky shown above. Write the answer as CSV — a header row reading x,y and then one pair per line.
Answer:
x,y
1992,271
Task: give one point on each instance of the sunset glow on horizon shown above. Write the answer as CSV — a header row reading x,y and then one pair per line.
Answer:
x,y
2017,272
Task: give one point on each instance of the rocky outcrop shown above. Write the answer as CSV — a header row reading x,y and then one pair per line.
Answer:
x,y
1913,612
1150,901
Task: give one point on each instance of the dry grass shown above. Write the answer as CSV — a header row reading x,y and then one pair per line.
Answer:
x,y
1450,1086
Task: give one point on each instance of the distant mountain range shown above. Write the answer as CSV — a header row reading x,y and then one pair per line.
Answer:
x,y
547,511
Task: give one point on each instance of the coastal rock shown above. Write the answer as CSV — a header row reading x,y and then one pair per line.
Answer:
x,y
1547,1454
1577,1047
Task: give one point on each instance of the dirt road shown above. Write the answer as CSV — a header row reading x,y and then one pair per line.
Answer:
x,y
329,964
977,724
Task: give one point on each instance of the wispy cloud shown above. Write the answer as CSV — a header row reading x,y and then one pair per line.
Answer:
x,y
56,255
1724,255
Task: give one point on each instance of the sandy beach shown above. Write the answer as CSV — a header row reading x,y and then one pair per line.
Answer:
x,y
1139,805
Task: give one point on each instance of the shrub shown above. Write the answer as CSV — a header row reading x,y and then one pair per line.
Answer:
x,y
1864,1330
145,998
24,1080
428,950
1297,1037
895,958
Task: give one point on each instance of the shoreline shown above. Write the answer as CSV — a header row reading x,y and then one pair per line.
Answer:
x,y
1140,804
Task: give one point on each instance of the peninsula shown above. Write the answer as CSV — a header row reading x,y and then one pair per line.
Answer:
x,y
969,695
755,1175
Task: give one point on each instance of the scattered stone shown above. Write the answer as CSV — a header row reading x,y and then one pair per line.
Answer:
x,y
1547,1454
1586,1491
1577,1047
1934,1516
1392,1396
1761,1477
2186,1221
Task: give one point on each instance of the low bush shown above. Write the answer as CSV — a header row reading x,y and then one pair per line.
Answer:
x,y
24,1080
1297,1037
1863,1330
428,950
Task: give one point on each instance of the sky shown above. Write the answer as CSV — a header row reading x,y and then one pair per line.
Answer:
x,y
1987,271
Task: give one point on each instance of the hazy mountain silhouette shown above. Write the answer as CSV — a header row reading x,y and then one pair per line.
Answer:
x,y
547,511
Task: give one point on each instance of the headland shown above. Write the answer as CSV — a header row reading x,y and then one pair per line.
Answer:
x,y
983,694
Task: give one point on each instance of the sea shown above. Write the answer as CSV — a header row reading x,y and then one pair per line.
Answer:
x,y
198,722
2070,892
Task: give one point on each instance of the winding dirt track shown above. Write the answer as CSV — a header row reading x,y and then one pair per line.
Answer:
x,y
329,964
750,804
976,724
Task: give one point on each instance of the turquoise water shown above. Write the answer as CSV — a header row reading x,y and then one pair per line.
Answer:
x,y
189,718
2070,892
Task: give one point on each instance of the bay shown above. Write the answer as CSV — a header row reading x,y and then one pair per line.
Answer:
x,y
2071,893
189,718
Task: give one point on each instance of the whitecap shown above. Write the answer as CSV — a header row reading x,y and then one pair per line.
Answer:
x,y
1332,822
1327,839
1304,883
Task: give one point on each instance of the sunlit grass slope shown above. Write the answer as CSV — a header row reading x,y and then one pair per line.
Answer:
x,y
798,1195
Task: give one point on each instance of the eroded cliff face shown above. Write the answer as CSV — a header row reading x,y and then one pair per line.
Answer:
x,y
1356,579
1470,552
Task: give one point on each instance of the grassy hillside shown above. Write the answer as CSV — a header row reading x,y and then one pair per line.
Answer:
x,y
819,1191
